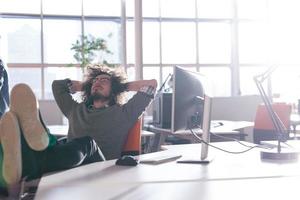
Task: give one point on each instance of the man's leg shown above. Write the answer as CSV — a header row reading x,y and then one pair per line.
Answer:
x,y
10,158
74,153
36,152
24,104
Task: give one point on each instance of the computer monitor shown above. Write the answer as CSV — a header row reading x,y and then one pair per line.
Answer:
x,y
191,108
187,100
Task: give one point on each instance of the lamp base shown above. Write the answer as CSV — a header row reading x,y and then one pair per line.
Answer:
x,y
286,155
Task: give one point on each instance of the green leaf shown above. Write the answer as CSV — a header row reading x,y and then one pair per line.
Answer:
x,y
87,47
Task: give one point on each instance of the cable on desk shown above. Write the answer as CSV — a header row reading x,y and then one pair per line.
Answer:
x,y
238,141
241,143
232,152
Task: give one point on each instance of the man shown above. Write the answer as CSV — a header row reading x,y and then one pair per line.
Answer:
x,y
101,115
28,150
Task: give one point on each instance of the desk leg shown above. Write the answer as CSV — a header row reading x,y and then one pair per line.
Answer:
x,y
294,131
159,139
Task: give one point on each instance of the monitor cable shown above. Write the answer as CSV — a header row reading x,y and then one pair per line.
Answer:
x,y
238,141
227,151
231,139
164,83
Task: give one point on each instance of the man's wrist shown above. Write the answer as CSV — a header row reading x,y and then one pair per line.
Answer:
x,y
126,85
148,90
69,84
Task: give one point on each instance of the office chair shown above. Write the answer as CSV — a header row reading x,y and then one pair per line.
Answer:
x,y
132,145
263,127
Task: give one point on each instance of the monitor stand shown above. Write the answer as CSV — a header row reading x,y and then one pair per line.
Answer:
x,y
196,161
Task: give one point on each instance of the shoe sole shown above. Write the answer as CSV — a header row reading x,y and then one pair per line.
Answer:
x,y
11,145
24,104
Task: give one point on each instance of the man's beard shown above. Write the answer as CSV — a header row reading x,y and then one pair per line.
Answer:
x,y
99,96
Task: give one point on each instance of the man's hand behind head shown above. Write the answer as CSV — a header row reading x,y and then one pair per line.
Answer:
x,y
76,86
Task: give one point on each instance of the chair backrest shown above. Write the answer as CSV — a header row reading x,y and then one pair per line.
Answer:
x,y
132,145
263,126
263,120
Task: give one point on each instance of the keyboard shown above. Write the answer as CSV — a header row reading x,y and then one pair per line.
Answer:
x,y
160,159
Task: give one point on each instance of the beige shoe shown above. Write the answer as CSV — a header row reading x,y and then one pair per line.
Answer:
x,y
24,104
10,140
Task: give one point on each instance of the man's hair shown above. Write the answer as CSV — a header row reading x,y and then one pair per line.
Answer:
x,y
118,85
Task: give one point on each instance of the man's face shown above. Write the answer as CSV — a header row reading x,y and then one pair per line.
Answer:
x,y
101,87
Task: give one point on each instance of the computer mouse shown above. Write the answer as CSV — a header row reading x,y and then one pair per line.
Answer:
x,y
127,161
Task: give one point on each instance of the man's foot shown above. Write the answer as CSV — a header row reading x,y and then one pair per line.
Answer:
x,y
10,141
24,104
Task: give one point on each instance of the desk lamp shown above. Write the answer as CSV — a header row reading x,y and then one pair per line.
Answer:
x,y
164,83
279,154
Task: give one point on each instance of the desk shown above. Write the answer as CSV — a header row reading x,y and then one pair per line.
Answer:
x,y
231,129
228,176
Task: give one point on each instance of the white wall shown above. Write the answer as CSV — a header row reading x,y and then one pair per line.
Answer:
x,y
236,108
50,112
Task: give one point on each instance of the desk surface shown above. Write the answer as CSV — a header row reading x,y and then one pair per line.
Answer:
x,y
228,176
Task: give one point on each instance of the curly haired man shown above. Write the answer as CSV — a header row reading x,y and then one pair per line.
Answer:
x,y
102,115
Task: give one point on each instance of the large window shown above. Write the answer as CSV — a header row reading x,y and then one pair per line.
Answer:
x,y
178,44
110,31
36,37
229,41
214,43
21,39
58,38
269,36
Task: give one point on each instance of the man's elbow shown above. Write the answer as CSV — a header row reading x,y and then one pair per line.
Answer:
x,y
153,83
54,85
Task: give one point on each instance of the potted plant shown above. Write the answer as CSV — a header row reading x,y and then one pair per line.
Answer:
x,y
87,48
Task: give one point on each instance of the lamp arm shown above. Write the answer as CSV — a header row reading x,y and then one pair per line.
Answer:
x,y
265,75
278,124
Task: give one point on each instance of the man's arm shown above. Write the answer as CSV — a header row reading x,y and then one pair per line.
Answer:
x,y
138,103
137,85
1,73
61,90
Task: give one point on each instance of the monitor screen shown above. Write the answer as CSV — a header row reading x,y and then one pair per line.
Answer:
x,y
187,100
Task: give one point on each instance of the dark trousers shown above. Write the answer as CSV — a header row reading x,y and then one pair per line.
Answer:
x,y
73,153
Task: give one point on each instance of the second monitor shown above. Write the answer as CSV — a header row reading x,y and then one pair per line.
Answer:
x,y
187,100
191,108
